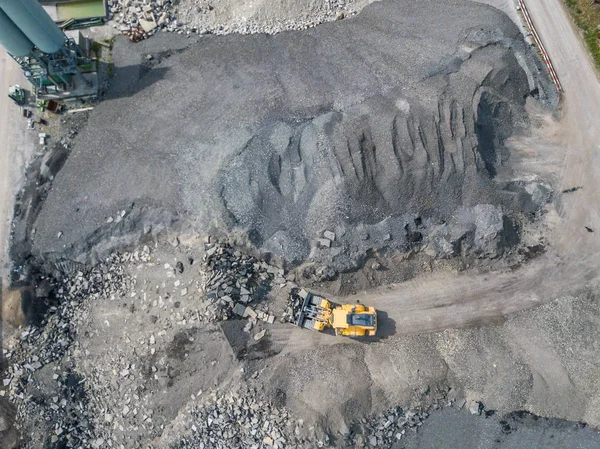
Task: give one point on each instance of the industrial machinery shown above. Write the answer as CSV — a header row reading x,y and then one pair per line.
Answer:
x,y
349,320
17,94
52,62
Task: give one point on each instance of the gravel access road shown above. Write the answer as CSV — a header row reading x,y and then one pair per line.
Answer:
x,y
14,148
580,136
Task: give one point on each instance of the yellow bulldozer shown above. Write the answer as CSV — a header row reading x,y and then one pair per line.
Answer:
x,y
349,320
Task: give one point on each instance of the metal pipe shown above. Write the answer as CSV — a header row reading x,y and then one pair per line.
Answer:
x,y
35,23
12,38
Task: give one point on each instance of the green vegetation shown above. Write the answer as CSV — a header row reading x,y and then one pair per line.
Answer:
x,y
587,17
96,47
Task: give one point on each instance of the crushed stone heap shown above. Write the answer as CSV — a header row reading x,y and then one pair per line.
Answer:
x,y
387,130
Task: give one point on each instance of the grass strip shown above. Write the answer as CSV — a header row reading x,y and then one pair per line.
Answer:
x,y
586,14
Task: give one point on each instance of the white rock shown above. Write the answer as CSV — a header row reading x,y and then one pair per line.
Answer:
x,y
325,243
147,25
474,408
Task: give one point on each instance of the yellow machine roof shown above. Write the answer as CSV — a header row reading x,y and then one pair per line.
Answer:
x,y
340,319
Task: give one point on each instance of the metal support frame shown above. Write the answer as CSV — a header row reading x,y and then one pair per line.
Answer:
x,y
39,67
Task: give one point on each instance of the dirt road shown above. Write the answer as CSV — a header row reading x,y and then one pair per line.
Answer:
x,y
581,112
15,147
432,303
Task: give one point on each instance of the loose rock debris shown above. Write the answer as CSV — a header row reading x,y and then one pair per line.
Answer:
x,y
235,279
295,302
141,19
387,428
70,396
34,363
235,420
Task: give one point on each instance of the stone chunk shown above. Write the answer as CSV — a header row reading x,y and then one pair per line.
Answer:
x,y
329,235
260,335
475,408
324,243
148,25
250,312
239,309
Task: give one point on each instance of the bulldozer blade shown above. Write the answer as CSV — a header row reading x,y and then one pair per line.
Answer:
x,y
302,316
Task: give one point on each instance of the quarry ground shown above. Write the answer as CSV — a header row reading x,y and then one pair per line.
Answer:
x,y
12,162
451,334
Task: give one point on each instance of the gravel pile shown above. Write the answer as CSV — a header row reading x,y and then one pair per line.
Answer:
x,y
239,420
259,183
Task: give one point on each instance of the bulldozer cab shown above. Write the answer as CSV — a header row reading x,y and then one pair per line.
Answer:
x,y
361,319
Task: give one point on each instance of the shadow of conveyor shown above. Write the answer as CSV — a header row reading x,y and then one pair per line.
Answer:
x,y
9,437
128,80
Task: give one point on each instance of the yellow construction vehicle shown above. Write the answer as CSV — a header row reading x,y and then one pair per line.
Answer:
x,y
349,320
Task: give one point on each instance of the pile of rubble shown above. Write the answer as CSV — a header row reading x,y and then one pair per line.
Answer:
x,y
235,279
239,420
270,17
48,350
385,429
295,301
141,19
70,395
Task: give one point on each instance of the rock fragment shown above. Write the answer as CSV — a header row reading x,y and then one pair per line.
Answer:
x,y
260,335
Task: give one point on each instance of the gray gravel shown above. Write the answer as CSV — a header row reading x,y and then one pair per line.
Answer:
x,y
452,428
344,128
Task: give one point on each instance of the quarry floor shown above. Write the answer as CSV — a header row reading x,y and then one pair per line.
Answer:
x,y
12,162
543,360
